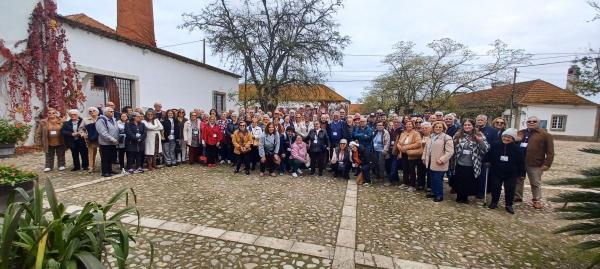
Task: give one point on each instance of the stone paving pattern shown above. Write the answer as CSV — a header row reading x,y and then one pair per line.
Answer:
x,y
304,209
176,250
390,221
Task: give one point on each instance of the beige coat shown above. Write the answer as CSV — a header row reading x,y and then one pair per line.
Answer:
x,y
153,129
41,135
442,148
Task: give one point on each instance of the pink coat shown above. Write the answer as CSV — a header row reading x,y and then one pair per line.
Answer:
x,y
438,150
299,152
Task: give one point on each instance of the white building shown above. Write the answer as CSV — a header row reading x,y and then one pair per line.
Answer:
x,y
562,113
118,66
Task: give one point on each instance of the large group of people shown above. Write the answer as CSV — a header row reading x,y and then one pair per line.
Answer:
x,y
476,157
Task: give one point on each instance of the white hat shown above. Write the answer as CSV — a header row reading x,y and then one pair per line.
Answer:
x,y
512,132
353,144
343,141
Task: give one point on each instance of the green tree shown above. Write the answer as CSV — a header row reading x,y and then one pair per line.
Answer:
x,y
583,207
279,42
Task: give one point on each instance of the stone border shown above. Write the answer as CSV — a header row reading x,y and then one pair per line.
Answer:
x,y
345,245
87,183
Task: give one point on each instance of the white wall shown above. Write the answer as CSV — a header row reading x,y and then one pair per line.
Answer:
x,y
159,78
581,120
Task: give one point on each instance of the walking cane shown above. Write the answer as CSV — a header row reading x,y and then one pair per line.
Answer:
x,y
487,172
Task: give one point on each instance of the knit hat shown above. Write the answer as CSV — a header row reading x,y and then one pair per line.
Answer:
x,y
512,132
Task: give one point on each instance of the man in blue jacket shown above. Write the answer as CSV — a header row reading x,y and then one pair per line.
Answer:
x,y
364,134
335,131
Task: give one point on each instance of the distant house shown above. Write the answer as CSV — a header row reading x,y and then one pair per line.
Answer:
x,y
563,113
295,96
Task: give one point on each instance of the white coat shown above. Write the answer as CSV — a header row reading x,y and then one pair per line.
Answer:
x,y
152,129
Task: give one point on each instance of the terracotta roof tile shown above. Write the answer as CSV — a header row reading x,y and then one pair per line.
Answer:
x,y
528,92
82,18
297,93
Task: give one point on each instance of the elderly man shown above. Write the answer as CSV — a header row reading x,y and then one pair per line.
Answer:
x,y
74,138
117,114
451,127
439,115
108,138
364,134
538,148
491,136
158,113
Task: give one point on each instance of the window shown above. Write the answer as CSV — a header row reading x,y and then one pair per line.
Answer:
x,y
559,123
116,90
219,101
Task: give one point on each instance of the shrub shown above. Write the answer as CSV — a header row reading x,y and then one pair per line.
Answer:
x,y
11,176
13,132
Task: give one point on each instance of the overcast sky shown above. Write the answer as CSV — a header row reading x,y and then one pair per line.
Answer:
x,y
543,27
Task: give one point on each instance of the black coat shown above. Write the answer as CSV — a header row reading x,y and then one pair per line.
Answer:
x,y
67,132
285,146
514,167
167,129
322,140
132,142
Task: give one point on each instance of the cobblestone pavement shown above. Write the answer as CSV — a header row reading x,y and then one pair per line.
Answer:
x,y
391,224
306,209
176,250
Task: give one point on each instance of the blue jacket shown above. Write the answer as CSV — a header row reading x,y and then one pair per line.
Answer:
x,y
364,136
336,132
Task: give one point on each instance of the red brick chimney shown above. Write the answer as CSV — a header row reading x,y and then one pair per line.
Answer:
x,y
135,20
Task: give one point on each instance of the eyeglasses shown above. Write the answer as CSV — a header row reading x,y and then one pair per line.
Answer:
x,y
532,121
418,122
500,122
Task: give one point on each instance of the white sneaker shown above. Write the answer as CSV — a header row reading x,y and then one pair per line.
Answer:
x,y
124,172
222,162
294,174
402,186
228,162
411,189
62,168
299,171
47,169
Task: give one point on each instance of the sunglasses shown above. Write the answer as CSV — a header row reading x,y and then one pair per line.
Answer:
x,y
418,122
532,121
500,122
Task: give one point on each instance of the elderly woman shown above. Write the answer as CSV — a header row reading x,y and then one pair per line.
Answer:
x,y
211,138
439,148
91,135
499,125
507,164
256,132
318,144
181,148
299,156
341,160
121,147
74,139
192,137
425,132
48,136
268,150
152,145
135,138
470,148
172,129
300,126
242,143
381,143
410,150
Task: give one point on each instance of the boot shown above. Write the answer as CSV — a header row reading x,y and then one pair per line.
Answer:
x,y
150,168
154,163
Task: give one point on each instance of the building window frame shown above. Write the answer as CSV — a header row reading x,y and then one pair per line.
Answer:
x,y
558,123
223,101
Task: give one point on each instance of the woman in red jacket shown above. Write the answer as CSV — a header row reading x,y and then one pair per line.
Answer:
x,y
211,137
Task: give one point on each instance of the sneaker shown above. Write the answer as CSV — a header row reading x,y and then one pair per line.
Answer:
x,y
299,171
411,189
62,168
537,205
222,162
139,170
510,209
367,185
438,199
75,169
261,174
402,186
236,171
228,162
281,173
131,171
387,184
294,174
493,206
273,174
47,169
124,172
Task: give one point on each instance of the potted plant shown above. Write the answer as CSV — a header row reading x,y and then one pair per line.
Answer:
x,y
11,132
12,178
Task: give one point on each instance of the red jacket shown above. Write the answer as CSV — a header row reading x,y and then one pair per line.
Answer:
x,y
212,135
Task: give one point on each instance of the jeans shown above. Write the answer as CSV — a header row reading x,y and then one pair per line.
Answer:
x,y
169,152
437,183
182,156
79,148
59,151
107,156
394,166
379,164
366,170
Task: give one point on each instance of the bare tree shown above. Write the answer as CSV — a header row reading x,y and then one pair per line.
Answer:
x,y
279,42
419,81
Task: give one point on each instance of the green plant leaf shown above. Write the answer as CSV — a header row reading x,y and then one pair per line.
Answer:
x,y
41,249
51,196
9,230
116,197
88,260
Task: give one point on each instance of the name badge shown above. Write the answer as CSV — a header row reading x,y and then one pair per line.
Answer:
x,y
289,149
52,133
316,141
171,137
215,135
523,145
138,135
393,142
466,152
195,132
334,133
504,158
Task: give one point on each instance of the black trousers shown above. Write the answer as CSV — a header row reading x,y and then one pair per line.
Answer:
x,y
243,158
121,153
317,160
342,170
108,154
254,157
510,184
421,175
269,162
135,159
465,182
79,148
409,172
211,154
